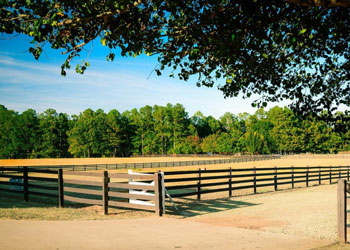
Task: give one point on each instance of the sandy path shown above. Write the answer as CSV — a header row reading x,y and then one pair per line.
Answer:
x,y
307,212
144,233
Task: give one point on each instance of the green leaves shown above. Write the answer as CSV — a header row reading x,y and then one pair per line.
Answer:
x,y
266,45
36,52
103,41
302,31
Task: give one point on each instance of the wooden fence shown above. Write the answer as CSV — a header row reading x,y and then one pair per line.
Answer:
x,y
198,182
26,181
140,165
136,191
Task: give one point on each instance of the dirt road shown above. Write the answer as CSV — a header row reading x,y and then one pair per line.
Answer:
x,y
309,212
144,233
303,218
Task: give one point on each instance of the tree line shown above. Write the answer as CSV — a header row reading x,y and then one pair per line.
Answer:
x,y
166,130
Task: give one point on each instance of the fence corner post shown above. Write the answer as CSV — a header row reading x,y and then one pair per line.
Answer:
x,y
307,176
275,179
292,176
254,179
230,183
341,210
60,188
199,185
25,184
105,192
159,193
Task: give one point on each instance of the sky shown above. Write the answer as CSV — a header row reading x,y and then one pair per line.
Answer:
x,y
124,84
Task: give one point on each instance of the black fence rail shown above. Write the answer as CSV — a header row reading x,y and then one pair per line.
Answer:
x,y
120,190
29,181
186,155
140,165
198,182
340,155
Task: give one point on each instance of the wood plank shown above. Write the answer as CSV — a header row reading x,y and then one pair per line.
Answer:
x,y
82,191
11,176
181,187
183,194
83,201
43,194
149,197
43,171
42,179
128,205
11,183
105,192
80,182
96,174
341,208
131,186
42,187
11,191
132,176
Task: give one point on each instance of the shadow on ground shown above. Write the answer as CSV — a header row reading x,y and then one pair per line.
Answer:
x,y
8,200
188,207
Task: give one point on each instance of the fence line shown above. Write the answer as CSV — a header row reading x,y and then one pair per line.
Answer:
x,y
311,155
140,165
198,182
118,189
108,190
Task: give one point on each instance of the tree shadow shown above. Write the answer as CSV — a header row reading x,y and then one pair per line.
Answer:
x,y
189,208
13,200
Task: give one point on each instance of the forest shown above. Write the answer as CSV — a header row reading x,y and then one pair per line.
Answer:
x,y
166,130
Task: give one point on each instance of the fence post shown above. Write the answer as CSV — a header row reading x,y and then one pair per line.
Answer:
x,y
105,192
319,175
199,185
254,179
275,178
230,183
341,207
307,176
330,175
348,172
159,193
292,176
60,188
25,184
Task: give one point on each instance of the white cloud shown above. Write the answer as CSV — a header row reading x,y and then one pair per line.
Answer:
x,y
40,86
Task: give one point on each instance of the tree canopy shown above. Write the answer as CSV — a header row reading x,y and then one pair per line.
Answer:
x,y
165,130
294,49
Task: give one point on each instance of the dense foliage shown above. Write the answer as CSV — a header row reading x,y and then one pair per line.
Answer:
x,y
278,49
165,130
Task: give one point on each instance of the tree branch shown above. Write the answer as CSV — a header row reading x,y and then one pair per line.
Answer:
x,y
323,3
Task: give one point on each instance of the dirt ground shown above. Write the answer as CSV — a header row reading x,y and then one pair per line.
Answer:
x,y
303,218
83,161
309,212
285,161
145,233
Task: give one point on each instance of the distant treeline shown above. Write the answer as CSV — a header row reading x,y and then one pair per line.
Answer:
x,y
165,130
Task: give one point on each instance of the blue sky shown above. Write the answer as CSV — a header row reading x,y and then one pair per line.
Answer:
x,y
123,84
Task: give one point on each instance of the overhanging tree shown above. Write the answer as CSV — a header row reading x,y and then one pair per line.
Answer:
x,y
292,49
